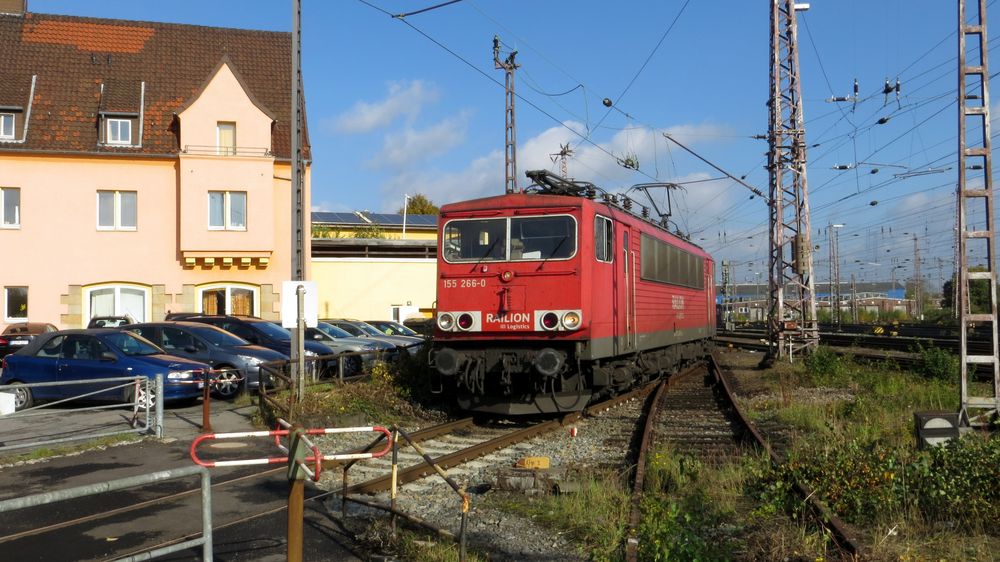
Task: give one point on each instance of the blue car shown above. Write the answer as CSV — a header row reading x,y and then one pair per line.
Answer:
x,y
73,355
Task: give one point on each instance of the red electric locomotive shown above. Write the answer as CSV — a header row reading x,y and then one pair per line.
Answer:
x,y
549,298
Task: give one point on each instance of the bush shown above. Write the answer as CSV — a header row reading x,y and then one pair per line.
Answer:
x,y
937,363
825,363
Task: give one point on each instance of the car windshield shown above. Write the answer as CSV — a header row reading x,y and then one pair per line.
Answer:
x,y
510,239
272,331
332,331
370,330
219,337
350,329
400,328
131,344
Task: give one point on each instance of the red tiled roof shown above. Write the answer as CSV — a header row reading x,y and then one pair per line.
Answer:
x,y
73,56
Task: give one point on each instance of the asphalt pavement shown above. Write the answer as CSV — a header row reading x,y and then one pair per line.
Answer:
x,y
36,533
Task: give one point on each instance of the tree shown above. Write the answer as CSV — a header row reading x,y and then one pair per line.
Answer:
x,y
420,205
979,293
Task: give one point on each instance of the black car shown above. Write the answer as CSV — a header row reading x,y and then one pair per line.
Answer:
x,y
109,322
16,336
264,333
235,359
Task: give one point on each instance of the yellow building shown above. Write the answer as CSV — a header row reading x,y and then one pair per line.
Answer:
x,y
369,266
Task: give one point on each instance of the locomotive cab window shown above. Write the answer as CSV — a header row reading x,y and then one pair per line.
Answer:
x,y
514,239
542,238
604,239
475,240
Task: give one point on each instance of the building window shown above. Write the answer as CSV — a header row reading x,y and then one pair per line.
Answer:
x,y
7,126
117,300
237,300
10,202
119,131
226,137
15,304
227,210
116,210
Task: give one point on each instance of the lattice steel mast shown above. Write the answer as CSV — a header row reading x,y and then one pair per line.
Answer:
x,y
510,148
791,322
974,109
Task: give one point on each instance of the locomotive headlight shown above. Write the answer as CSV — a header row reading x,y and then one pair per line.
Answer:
x,y
465,321
550,320
571,320
446,322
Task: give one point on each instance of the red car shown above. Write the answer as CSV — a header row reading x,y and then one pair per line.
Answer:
x,y
16,336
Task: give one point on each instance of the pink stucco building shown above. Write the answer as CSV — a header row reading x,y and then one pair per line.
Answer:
x,y
144,168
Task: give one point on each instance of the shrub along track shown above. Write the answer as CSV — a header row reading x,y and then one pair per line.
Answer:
x,y
697,413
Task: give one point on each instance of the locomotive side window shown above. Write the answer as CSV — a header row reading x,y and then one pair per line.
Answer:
x,y
665,263
603,239
542,238
475,240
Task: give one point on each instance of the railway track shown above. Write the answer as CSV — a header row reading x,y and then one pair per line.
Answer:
x,y
697,413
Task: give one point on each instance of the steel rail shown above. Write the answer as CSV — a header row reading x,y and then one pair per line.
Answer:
x,y
420,470
844,535
639,479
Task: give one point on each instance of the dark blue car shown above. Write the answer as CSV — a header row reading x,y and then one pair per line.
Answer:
x,y
72,355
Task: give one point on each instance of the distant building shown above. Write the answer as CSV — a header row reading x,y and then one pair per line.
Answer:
x,y
145,168
366,267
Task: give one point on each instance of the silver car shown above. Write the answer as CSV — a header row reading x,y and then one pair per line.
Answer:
x,y
342,342
360,329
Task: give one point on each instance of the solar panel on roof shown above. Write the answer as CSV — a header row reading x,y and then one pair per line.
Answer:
x,y
423,220
322,217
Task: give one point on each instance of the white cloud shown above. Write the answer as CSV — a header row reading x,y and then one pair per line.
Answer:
x,y
403,98
401,150
484,176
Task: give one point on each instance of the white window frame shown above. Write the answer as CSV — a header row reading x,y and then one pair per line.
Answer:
x,y
7,117
3,207
117,210
118,310
120,141
6,301
229,295
224,150
227,210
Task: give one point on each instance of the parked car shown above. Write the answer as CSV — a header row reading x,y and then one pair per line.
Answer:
x,y
264,333
110,321
235,359
360,329
343,342
16,336
423,326
390,328
71,355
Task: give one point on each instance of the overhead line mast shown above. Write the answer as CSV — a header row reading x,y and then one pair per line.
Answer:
x,y
975,195
510,147
791,324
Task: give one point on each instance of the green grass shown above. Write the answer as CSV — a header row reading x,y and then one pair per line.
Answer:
x,y
595,516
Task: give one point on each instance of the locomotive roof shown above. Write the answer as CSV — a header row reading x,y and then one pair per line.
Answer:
x,y
548,200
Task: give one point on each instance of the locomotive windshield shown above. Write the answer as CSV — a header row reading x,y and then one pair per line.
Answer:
x,y
510,239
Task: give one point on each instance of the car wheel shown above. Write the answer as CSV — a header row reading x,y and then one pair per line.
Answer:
x,y
22,396
228,384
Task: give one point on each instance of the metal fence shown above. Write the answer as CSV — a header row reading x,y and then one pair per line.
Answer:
x,y
205,541
145,418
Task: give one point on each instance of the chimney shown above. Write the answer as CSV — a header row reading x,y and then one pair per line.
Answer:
x,y
13,7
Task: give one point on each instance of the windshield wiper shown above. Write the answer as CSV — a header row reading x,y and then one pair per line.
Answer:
x,y
552,253
487,254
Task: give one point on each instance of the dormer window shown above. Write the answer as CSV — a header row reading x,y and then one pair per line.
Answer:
x,y
119,131
7,126
226,138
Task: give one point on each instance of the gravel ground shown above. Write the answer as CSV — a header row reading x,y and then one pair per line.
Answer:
x,y
601,442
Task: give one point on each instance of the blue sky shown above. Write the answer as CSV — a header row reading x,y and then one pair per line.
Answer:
x,y
391,112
